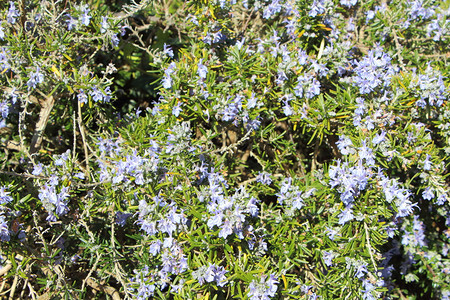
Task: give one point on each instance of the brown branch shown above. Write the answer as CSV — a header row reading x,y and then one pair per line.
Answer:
x,y
103,288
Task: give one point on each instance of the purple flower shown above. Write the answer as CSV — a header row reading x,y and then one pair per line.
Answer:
x,y
212,273
168,50
345,145
177,109
441,199
115,40
37,170
331,233
427,163
79,175
4,196
167,80
345,216
287,109
361,270
4,231
314,89
405,206
264,178
264,289
240,43
272,9
215,220
328,258
419,232
373,71
98,96
360,106
35,78
226,229
428,194
85,18
13,13
82,97
202,70
55,203
104,25
121,218
366,153
348,3
367,292
302,57
2,33
253,102
379,137
71,22
281,77
317,8
155,247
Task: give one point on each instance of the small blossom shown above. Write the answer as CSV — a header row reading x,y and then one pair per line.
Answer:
x,y
35,78
328,257
82,97
4,230
104,25
202,70
115,40
13,13
428,194
2,33
177,109
168,50
4,196
37,170
264,178
85,17
71,22
348,3
345,216
121,218
379,137
427,163
264,289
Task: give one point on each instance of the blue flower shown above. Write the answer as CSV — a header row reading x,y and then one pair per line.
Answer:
x,y
428,194
346,215
427,163
13,13
167,50
104,25
177,109
2,33
272,9
202,70
85,17
379,137
328,258
317,8
348,3
264,289
71,22
264,178
35,78
82,97
4,229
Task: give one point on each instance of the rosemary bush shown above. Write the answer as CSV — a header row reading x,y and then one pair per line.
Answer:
x,y
224,149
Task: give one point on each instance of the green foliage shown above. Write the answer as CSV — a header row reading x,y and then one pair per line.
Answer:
x,y
221,150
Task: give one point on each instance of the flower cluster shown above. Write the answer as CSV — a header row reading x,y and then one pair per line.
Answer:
x,y
264,288
211,273
239,145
